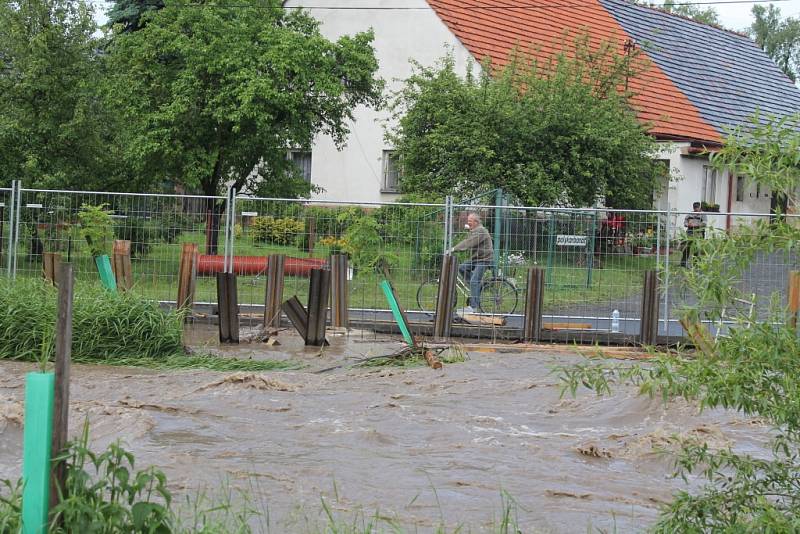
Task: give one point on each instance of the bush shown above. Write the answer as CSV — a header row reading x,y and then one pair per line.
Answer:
x,y
171,224
140,232
105,325
276,231
97,228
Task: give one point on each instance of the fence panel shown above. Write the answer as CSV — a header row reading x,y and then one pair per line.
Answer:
x,y
6,227
62,222
763,277
594,260
400,241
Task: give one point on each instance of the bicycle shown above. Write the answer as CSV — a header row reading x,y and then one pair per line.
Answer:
x,y
499,295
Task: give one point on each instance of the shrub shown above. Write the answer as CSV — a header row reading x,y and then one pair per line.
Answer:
x,y
276,231
105,325
171,224
96,228
140,232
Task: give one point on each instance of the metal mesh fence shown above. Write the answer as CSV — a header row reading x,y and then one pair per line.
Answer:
x,y
594,260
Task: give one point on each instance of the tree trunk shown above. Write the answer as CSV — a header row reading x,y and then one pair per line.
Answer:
x,y
214,211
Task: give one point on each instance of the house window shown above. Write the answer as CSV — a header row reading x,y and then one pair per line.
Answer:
x,y
739,188
709,193
391,172
302,160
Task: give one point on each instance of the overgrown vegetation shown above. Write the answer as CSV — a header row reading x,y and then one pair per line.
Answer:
x,y
104,493
106,326
752,368
557,132
96,228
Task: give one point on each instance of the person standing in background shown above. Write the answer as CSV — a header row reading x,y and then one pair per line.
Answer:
x,y
695,224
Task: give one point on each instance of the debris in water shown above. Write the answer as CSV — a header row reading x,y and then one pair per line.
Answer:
x,y
593,449
251,381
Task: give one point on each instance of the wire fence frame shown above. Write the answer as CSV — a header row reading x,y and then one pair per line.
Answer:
x,y
594,258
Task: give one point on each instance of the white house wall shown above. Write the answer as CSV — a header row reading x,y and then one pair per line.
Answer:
x,y
355,174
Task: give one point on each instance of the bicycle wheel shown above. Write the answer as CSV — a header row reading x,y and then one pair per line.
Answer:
x,y
427,294
498,297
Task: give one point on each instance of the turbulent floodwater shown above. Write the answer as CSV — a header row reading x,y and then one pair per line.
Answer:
x,y
420,445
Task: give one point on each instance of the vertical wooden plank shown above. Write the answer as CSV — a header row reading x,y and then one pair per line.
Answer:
x,y
312,235
187,276
274,294
233,307
318,291
648,326
50,263
445,299
532,326
122,264
340,295
63,357
794,297
222,306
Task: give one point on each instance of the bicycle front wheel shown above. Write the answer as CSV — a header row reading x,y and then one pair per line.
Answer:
x,y
427,294
498,297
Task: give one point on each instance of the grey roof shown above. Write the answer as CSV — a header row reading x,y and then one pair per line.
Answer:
x,y
726,76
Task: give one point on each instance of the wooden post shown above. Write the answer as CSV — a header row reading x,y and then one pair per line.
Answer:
x,y
794,297
121,263
228,306
187,277
297,315
274,296
50,266
648,326
63,350
340,297
312,235
534,302
445,300
318,291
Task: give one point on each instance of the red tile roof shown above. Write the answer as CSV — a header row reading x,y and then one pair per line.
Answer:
x,y
541,26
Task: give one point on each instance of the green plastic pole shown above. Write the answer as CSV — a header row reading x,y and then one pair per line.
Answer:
x,y
106,274
398,317
498,229
590,255
551,245
39,391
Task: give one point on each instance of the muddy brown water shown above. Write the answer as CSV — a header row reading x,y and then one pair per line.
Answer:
x,y
419,445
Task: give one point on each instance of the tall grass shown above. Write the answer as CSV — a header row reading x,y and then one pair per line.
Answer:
x,y
106,326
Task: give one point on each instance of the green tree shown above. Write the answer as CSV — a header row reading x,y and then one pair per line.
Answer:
x,y
559,132
54,129
213,93
751,369
706,16
779,38
128,13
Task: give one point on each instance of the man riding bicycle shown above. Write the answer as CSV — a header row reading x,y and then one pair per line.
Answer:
x,y
481,248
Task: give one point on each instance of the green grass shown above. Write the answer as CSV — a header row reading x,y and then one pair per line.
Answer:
x,y
106,326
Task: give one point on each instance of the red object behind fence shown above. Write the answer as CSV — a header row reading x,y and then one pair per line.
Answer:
x,y
258,265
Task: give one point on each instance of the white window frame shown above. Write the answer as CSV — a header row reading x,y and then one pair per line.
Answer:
x,y
391,173
305,170
709,189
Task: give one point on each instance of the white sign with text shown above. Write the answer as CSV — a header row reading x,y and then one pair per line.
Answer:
x,y
571,240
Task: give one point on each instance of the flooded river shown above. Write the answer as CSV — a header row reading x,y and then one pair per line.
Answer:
x,y
419,445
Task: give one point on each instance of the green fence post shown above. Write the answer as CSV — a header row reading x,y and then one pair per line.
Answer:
x,y
551,245
398,315
106,274
590,254
498,228
37,437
